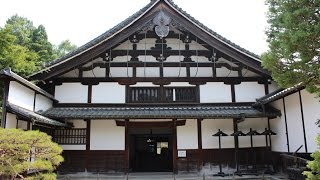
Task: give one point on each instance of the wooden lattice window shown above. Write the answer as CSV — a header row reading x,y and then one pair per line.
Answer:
x,y
70,136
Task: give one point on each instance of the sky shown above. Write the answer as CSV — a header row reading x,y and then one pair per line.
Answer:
x,y
242,21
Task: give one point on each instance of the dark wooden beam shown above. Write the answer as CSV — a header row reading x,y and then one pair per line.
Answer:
x,y
127,146
89,93
6,84
200,162
163,124
132,80
303,124
174,146
286,124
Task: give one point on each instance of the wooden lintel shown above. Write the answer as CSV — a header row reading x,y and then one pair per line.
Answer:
x,y
139,124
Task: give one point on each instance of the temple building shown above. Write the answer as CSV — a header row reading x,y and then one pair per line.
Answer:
x,y
162,92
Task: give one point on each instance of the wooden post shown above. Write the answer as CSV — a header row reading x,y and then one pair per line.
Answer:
x,y
126,141
174,145
6,84
88,130
200,162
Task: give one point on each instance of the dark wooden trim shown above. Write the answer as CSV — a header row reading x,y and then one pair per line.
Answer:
x,y
236,143
286,124
127,146
233,93
149,105
28,125
132,80
163,124
88,142
6,84
89,93
270,141
266,88
34,100
174,146
303,124
200,164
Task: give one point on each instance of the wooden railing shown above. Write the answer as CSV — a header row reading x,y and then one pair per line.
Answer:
x,y
162,94
293,166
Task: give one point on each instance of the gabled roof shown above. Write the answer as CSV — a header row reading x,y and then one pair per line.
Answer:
x,y
168,111
7,73
278,94
131,20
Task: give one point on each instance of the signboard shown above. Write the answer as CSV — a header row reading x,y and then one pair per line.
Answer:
x,y
182,153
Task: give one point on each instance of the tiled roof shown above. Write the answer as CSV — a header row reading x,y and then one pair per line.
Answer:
x,y
131,19
280,93
30,115
179,111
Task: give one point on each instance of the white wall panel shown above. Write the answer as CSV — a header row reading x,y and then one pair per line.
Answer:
x,y
279,142
21,95
42,103
215,92
201,72
106,135
295,129
311,114
179,84
211,126
258,124
108,93
71,93
174,72
22,125
73,147
249,91
96,72
187,135
148,72
224,72
120,71
144,84
11,121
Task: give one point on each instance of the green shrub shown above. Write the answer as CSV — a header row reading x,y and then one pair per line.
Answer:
x,y
28,154
314,165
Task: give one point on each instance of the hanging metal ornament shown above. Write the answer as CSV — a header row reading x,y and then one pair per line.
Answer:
x,y
162,22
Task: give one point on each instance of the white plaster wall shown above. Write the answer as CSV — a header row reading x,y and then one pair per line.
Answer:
x,y
42,103
258,124
273,87
106,135
279,142
71,93
108,93
210,127
224,72
144,84
148,72
215,92
295,129
174,72
96,72
179,84
187,135
73,147
125,45
147,59
22,125
175,59
20,95
247,73
120,72
201,72
249,91
78,123
11,121
311,106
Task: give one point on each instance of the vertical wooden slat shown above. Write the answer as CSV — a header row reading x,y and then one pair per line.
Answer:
x,y
88,130
6,85
200,164
127,150
174,145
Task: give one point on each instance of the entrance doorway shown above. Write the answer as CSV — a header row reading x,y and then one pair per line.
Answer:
x,y
150,150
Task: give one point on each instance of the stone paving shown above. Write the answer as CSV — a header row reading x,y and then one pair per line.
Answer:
x,y
165,176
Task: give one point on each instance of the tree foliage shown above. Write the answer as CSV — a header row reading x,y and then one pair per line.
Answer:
x,y
314,165
63,48
28,154
294,42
